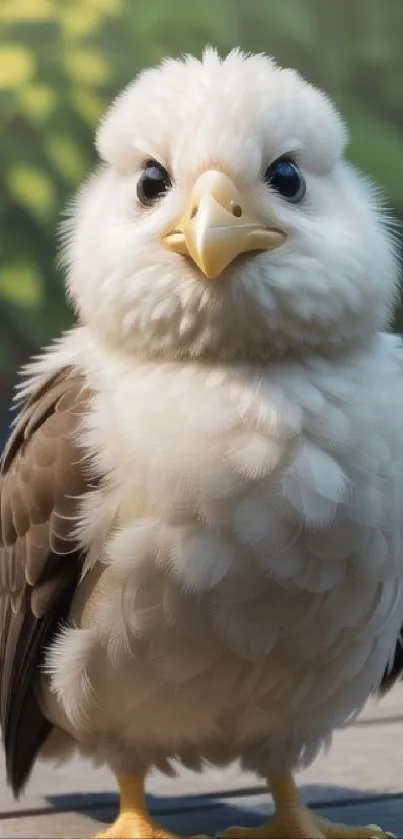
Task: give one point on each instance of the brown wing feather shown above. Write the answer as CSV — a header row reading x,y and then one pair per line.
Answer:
x,y
42,475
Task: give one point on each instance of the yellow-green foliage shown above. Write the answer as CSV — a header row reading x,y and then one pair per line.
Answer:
x,y
62,60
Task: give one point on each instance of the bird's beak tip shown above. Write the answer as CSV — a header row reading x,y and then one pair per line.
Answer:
x,y
219,230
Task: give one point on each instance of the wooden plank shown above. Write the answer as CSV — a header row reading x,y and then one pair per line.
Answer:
x,y
365,760
52,786
210,818
359,763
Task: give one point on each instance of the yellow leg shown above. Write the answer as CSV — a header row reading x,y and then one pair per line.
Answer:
x,y
293,819
134,821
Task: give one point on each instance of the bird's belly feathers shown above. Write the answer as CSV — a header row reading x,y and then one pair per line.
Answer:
x,y
256,556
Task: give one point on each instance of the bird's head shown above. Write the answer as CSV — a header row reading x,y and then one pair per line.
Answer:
x,y
224,222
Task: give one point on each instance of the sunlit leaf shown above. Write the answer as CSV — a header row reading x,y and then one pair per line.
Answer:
x,y
17,65
32,188
66,156
21,284
87,65
36,101
108,6
80,20
88,105
12,11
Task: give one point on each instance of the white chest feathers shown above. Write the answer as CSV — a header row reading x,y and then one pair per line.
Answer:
x,y
267,498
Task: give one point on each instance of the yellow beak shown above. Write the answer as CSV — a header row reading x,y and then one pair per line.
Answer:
x,y
215,228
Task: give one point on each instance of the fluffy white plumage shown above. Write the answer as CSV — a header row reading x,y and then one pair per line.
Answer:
x,y
238,115
250,430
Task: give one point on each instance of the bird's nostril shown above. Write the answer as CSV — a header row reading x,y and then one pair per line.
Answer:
x,y
237,211
194,212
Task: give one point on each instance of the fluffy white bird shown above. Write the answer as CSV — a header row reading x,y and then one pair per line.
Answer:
x,y
201,501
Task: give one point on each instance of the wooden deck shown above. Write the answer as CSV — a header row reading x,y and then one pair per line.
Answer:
x,y
359,781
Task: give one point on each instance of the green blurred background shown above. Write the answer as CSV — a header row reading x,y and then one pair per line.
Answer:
x,y
61,61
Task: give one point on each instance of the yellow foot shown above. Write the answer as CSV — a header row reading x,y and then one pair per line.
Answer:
x,y
134,821
302,824
135,826
332,830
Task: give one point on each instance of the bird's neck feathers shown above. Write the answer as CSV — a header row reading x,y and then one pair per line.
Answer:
x,y
81,349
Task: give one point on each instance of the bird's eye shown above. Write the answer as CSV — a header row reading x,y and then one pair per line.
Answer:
x,y
285,177
153,182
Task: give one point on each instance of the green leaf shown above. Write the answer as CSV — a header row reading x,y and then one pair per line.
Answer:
x,y
392,92
66,156
36,102
87,64
32,188
17,65
88,105
21,285
80,20
295,18
376,147
6,358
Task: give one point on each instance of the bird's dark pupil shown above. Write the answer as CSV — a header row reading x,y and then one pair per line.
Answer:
x,y
155,181
285,178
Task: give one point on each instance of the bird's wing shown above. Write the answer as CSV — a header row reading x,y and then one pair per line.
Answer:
x,y
394,671
42,475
